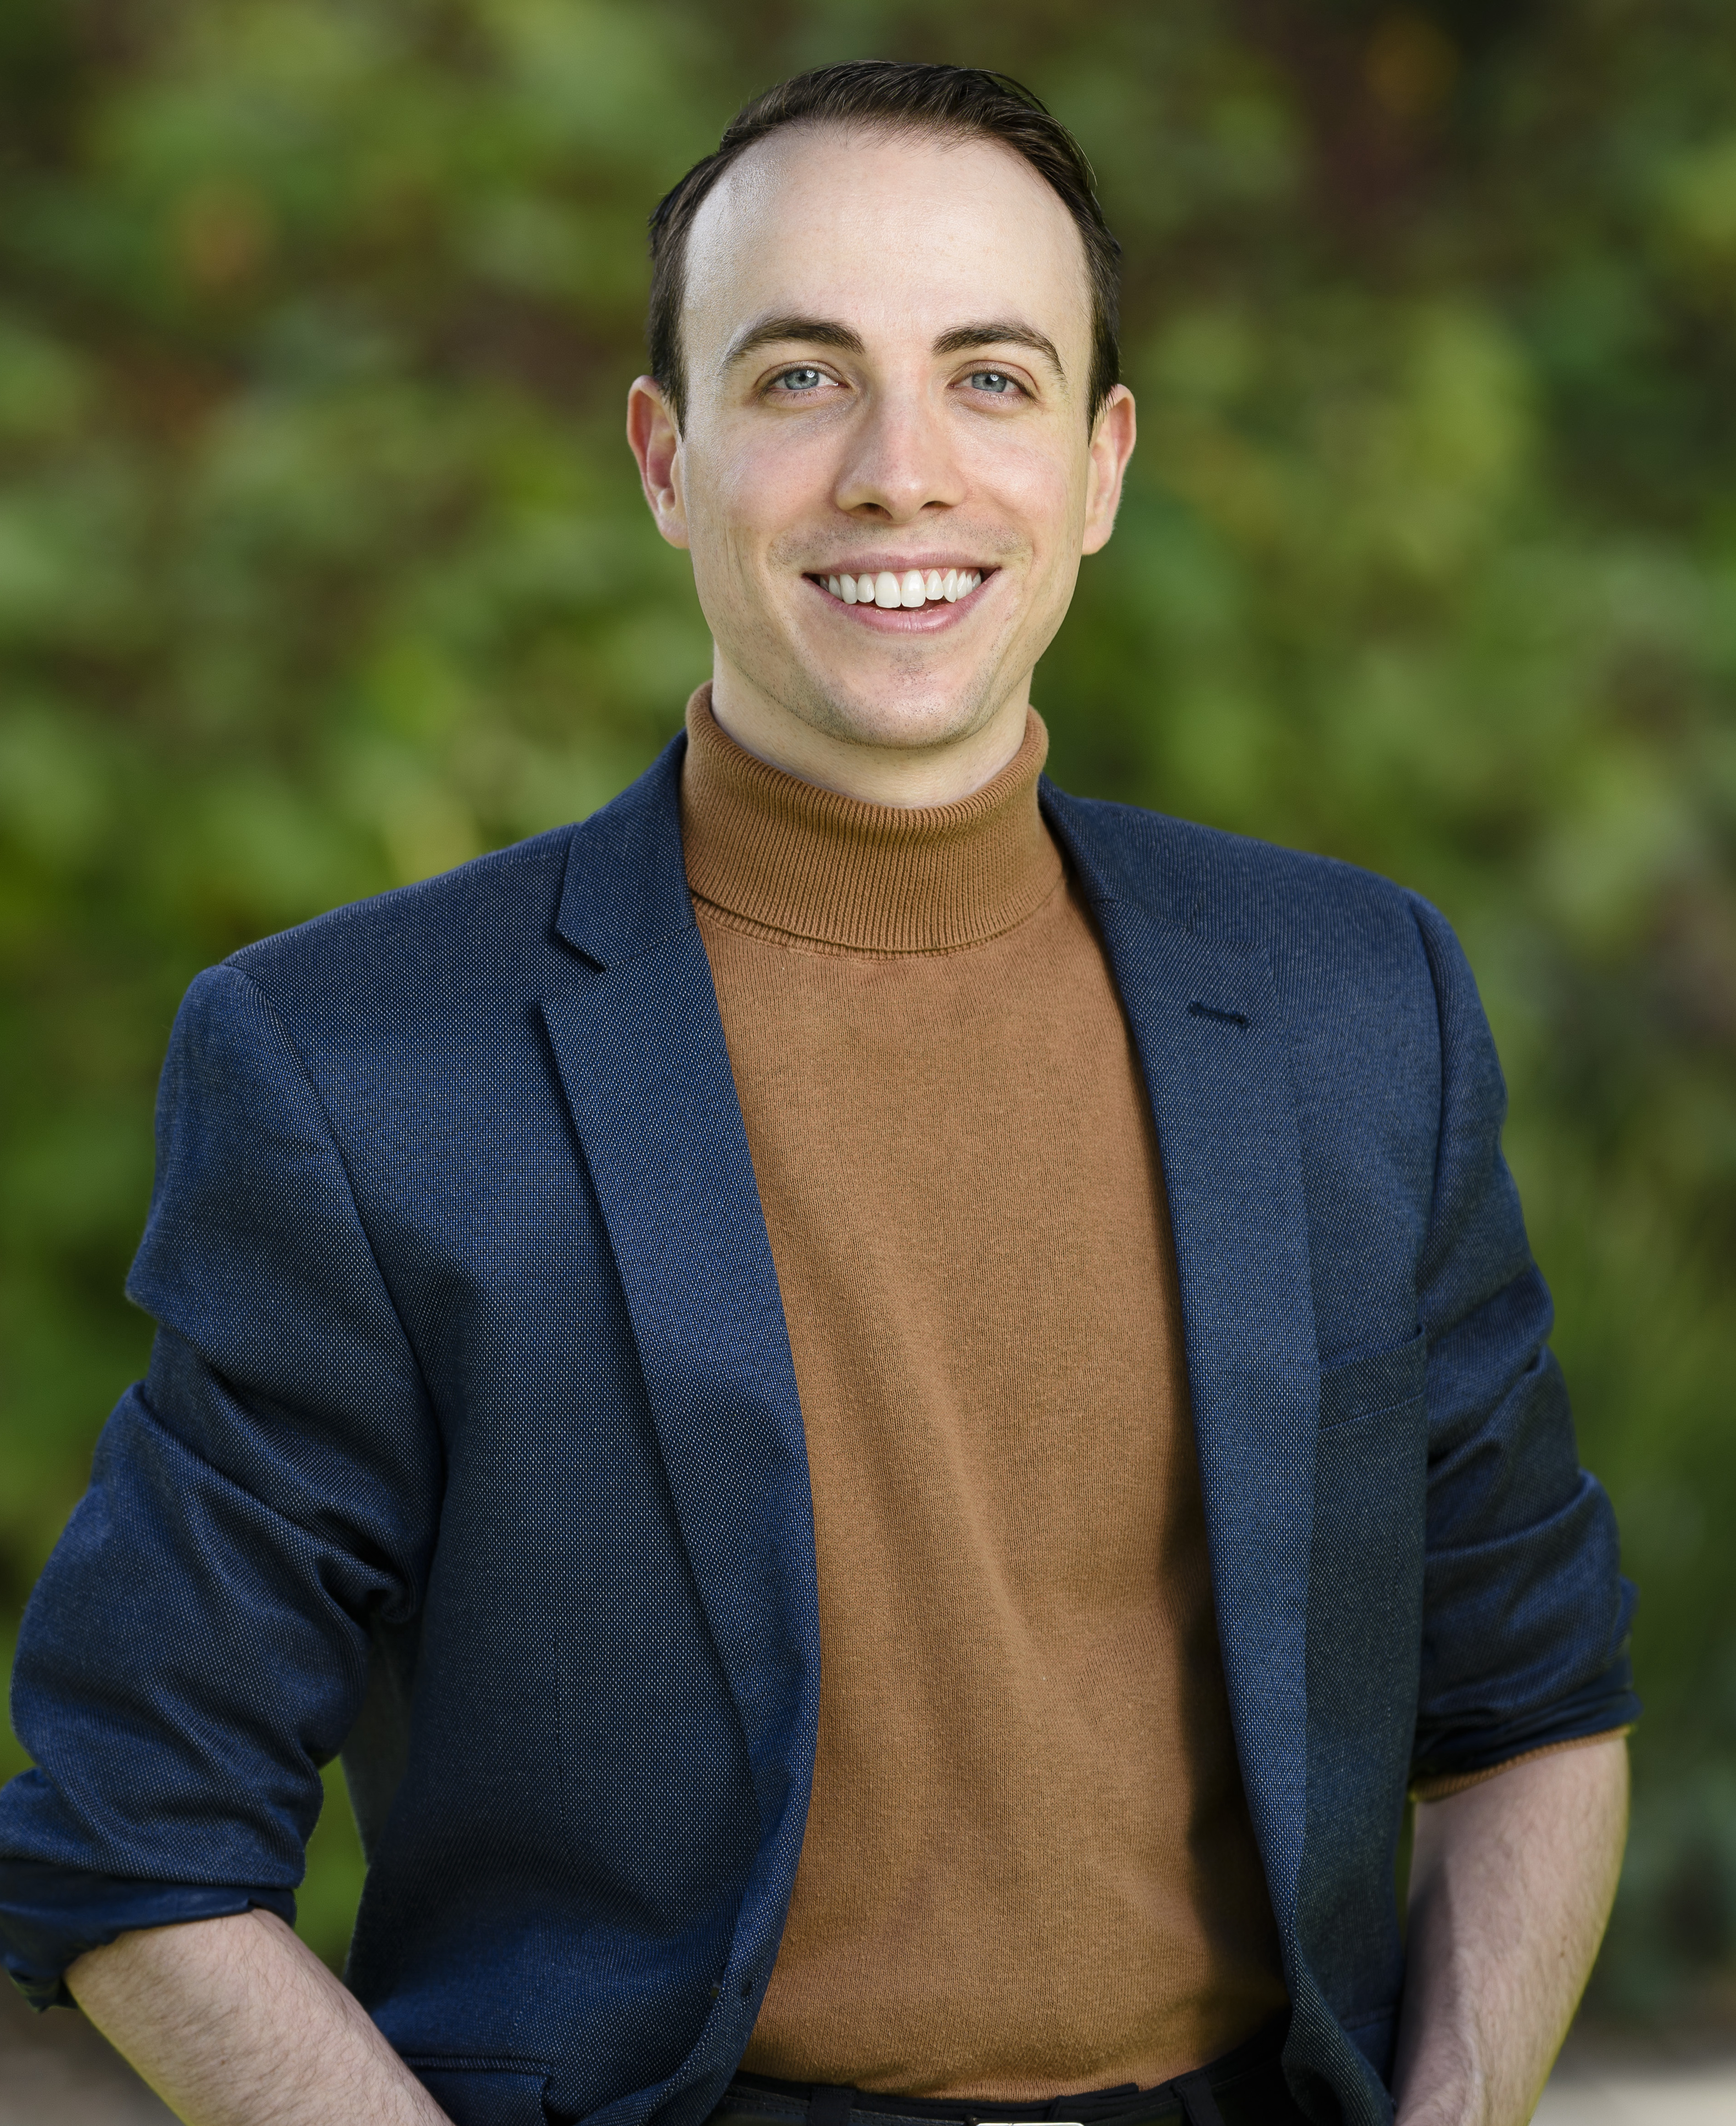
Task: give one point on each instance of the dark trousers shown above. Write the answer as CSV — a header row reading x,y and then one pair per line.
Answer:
x,y
1246,2087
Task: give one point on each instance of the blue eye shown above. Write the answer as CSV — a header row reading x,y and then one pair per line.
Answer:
x,y
801,379
991,380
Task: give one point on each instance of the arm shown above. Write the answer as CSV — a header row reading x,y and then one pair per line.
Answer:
x,y
234,2022
198,1643
1512,1882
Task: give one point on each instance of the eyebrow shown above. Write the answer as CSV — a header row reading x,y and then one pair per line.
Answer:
x,y
815,331
1001,333
830,331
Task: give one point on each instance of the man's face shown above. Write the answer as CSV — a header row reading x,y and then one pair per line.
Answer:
x,y
887,350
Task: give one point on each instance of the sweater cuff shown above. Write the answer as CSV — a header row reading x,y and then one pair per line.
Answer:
x,y
49,1915
1452,1783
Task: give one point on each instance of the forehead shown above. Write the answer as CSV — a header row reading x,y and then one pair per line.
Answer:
x,y
896,234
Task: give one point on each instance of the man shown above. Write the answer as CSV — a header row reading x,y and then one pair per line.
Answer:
x,y
885,1411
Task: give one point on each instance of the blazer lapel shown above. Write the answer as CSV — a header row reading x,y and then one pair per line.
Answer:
x,y
640,1046
1206,1021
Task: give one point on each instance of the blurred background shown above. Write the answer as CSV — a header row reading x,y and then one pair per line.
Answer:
x,y
322,567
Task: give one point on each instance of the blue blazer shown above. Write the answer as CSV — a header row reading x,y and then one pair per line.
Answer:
x,y
471,1447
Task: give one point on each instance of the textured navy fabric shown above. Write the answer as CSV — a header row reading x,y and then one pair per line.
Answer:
x,y
471,1447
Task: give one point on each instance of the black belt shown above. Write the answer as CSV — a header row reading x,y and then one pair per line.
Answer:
x,y
1246,2087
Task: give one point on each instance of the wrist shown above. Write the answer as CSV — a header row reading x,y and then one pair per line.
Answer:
x,y
1448,2089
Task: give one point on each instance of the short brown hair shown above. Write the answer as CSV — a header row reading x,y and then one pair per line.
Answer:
x,y
901,97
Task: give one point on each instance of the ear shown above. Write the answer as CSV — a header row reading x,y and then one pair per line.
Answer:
x,y
1111,445
655,441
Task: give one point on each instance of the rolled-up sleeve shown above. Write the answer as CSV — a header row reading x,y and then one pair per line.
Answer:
x,y
1526,1614
197,1646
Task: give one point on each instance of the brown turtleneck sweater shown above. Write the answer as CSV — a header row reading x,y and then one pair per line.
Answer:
x,y
1028,1865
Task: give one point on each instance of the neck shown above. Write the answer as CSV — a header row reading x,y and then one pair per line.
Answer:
x,y
874,770
792,861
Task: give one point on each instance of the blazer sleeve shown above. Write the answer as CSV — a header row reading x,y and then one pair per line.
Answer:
x,y
1526,1614
197,1646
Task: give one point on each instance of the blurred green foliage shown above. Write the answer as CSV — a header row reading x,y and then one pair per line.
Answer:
x,y
322,567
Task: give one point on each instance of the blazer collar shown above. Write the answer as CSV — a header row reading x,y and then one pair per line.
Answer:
x,y
625,888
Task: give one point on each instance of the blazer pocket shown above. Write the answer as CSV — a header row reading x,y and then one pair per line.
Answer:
x,y
484,2092
1365,1387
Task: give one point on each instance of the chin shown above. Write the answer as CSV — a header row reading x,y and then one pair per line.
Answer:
x,y
855,711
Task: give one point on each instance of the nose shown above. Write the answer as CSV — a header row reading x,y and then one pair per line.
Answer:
x,y
900,462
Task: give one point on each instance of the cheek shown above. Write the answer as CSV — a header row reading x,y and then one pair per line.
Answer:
x,y
1038,489
770,483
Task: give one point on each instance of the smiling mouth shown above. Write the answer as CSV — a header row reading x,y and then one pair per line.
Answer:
x,y
908,591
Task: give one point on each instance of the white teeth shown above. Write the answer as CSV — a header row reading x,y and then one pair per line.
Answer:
x,y
914,589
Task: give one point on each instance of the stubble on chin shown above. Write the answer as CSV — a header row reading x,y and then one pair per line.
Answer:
x,y
911,711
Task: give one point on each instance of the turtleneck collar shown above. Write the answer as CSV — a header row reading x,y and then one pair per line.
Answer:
x,y
787,856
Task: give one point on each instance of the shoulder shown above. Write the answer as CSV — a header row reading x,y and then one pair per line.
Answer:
x,y
467,931
608,884
1319,922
